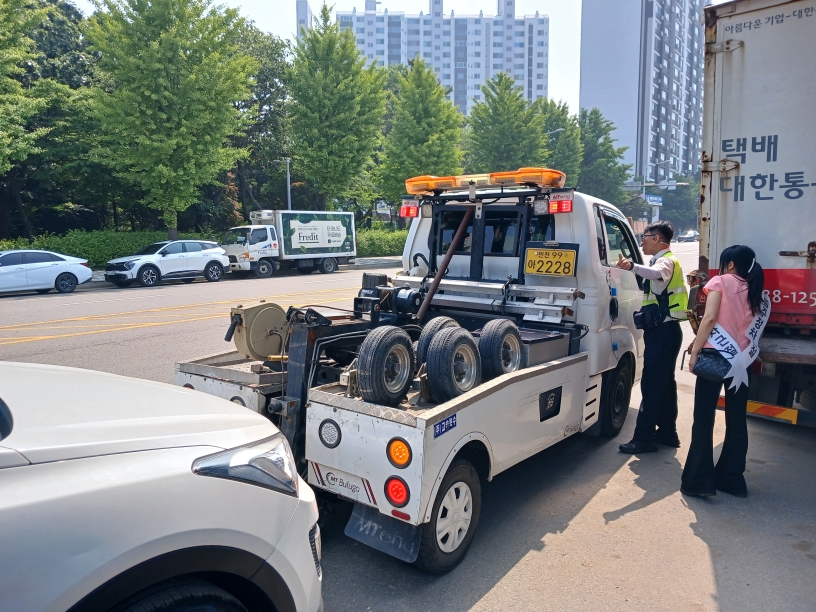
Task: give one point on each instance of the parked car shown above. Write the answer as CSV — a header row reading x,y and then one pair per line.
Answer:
x,y
689,236
133,495
41,271
170,259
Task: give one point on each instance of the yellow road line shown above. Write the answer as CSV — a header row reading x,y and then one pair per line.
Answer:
x,y
167,308
8,341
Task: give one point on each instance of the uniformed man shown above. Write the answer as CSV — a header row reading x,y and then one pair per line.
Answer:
x,y
664,305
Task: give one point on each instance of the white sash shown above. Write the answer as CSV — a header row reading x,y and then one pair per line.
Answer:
x,y
728,348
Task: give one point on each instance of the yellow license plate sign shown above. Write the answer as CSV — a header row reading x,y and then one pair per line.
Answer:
x,y
550,262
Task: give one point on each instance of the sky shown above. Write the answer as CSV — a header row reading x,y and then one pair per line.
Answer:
x,y
278,17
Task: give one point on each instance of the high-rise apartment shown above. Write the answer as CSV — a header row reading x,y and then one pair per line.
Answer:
x,y
304,16
464,50
642,66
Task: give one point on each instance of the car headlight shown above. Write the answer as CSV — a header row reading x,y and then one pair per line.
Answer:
x,y
129,264
268,463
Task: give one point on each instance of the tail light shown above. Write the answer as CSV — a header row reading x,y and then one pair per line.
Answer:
x,y
85,263
409,210
397,492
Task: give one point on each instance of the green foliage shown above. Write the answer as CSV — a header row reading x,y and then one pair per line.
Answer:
x,y
566,148
425,135
681,206
262,181
505,133
377,242
635,207
338,107
17,105
169,107
97,247
602,173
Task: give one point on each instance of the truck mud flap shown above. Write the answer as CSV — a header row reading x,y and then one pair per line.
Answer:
x,y
383,533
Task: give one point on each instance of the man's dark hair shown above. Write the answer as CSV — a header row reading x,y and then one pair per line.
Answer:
x,y
664,228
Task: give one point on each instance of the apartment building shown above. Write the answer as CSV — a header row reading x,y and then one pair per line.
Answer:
x,y
463,50
642,66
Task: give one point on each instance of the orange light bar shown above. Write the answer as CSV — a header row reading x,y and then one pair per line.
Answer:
x,y
480,180
423,184
537,176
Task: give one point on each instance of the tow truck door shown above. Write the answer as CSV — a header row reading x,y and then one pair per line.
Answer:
x,y
628,294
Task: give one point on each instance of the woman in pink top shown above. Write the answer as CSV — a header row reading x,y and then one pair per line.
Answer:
x,y
733,299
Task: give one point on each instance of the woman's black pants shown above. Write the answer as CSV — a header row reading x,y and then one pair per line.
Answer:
x,y
700,475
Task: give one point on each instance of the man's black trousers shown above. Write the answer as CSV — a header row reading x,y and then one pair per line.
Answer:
x,y
658,387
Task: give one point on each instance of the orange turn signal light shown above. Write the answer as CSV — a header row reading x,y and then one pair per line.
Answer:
x,y
399,453
423,184
537,176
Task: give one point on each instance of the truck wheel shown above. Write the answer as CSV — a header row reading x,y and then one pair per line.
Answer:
x,y
616,390
198,595
500,348
386,366
306,271
455,516
327,266
148,276
433,327
214,271
264,269
454,365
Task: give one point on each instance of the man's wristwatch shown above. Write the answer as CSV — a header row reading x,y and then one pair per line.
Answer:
x,y
631,265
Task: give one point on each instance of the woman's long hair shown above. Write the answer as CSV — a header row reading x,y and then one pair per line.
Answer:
x,y
748,268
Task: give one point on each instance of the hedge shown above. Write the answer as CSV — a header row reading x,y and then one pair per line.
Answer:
x,y
378,243
97,247
102,246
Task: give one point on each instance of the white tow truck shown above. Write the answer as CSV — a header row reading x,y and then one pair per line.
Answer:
x,y
303,240
425,413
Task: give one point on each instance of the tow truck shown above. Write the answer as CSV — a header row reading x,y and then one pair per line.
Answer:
x,y
508,330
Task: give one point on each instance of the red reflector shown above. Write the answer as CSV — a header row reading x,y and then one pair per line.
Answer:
x,y
85,263
409,210
274,245
401,515
397,491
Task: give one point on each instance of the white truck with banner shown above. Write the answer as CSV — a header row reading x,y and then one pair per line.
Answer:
x,y
304,240
759,183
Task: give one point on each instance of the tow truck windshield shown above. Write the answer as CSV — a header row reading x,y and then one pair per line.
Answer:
x,y
236,235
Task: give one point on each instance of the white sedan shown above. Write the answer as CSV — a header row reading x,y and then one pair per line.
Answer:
x,y
41,271
125,494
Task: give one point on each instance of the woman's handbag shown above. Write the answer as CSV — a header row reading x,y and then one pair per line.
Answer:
x,y
711,365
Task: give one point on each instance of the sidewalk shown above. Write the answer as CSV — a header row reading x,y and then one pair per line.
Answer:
x,y
361,263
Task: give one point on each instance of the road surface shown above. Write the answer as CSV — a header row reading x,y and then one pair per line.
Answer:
x,y
579,526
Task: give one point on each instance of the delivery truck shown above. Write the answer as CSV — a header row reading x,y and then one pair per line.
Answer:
x,y
302,240
759,182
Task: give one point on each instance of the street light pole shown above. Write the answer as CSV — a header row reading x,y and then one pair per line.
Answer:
x,y
288,181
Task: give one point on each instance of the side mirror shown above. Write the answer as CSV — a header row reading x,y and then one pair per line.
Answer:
x,y
163,253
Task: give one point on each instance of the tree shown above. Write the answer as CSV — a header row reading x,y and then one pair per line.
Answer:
x,y
17,105
682,205
567,151
267,115
602,173
175,78
338,108
504,132
426,132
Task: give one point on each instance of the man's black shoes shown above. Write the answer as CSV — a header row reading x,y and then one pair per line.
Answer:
x,y
635,448
667,439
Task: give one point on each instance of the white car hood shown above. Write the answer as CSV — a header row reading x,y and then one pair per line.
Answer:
x,y
124,259
67,413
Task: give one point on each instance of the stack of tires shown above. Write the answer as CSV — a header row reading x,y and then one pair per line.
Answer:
x,y
455,363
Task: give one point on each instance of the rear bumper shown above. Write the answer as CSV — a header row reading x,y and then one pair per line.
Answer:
x,y
243,266
783,414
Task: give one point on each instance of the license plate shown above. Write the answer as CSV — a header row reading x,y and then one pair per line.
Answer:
x,y
550,262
